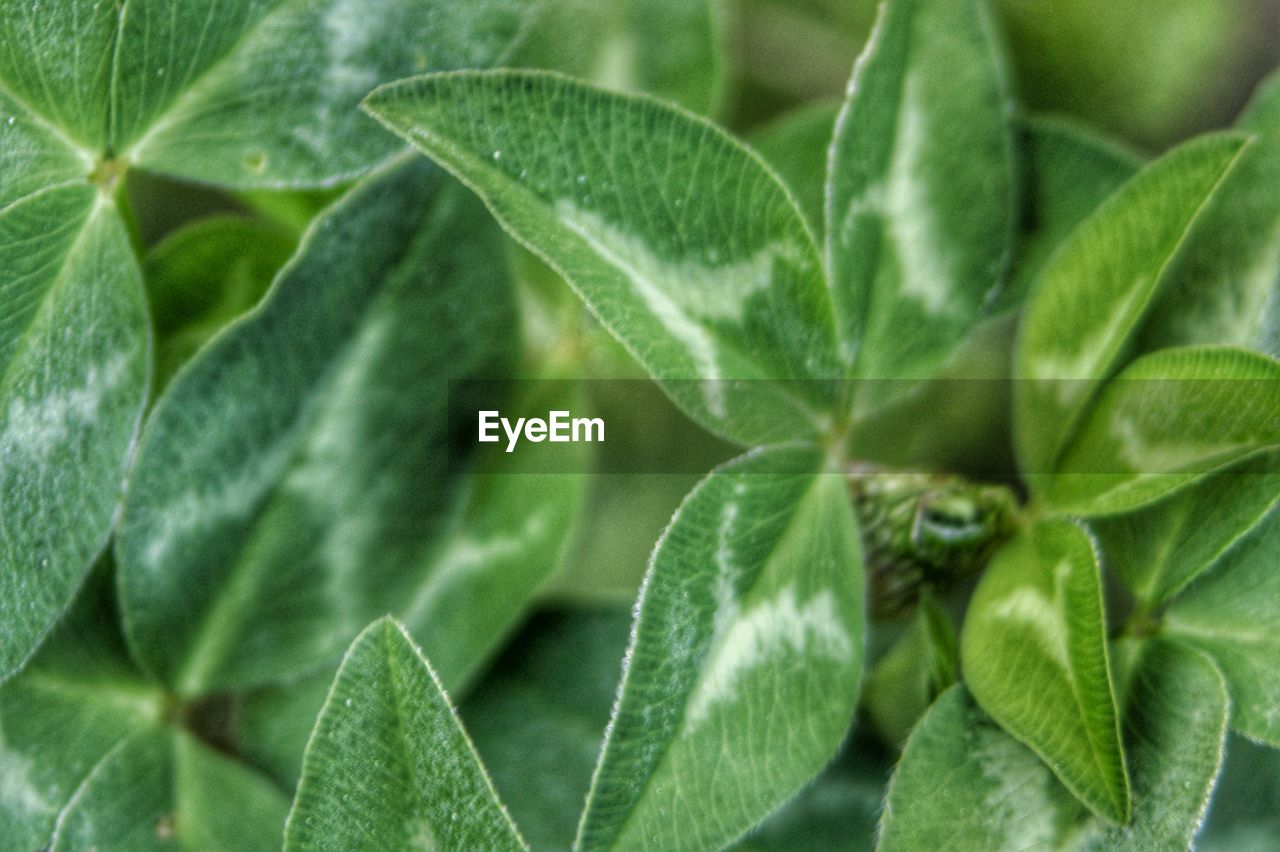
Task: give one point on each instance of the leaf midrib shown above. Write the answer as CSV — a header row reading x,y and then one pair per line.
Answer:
x,y
531,200
1108,367
86,155
237,588
54,287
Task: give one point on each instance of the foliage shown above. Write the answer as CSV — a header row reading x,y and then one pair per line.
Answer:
x,y
985,556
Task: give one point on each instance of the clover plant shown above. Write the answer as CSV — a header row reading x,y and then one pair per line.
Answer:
x,y
983,550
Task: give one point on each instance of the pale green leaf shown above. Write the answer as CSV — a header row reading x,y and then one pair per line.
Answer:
x,y
745,659
669,48
389,765
541,715
964,783
1069,172
1034,652
162,789
295,482
1167,420
1159,549
33,154
796,145
1230,612
1093,293
684,243
920,190
204,275
56,60
264,92
74,347
1225,288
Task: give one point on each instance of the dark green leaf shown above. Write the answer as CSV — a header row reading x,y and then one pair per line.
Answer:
x,y
297,481
1069,173
162,789
906,680
78,700
205,275
56,61
1230,613
514,525
541,715
1244,815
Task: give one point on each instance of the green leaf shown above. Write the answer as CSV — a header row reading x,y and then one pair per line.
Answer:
x,y
1034,652
295,481
1245,813
1093,293
1176,709
542,712
837,811
77,700
292,209
1152,72
509,539
669,48
681,241
1159,549
389,765
1069,172
796,145
964,783
274,722
1223,288
906,680
1230,613
163,789
745,659
263,92
204,275
920,190
56,61
34,155
74,347
1168,419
